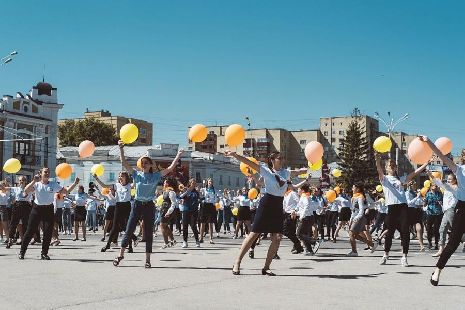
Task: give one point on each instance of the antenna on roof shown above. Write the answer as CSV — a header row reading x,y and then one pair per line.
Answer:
x,y
43,74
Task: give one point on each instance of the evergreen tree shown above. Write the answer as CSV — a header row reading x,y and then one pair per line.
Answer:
x,y
356,159
72,133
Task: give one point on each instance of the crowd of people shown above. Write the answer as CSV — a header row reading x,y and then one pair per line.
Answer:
x,y
300,212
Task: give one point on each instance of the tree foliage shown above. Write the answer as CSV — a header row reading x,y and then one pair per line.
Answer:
x,y
72,133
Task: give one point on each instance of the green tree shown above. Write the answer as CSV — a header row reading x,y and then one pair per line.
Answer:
x,y
356,159
71,133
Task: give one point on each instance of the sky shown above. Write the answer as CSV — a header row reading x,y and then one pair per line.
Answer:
x,y
281,63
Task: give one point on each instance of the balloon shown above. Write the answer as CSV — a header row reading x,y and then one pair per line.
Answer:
x,y
198,133
246,169
317,165
382,144
217,206
133,192
379,188
423,191
139,163
129,133
314,151
105,191
234,135
12,165
97,169
419,152
382,200
86,148
253,193
437,175
337,189
331,195
427,184
337,173
63,171
444,145
234,211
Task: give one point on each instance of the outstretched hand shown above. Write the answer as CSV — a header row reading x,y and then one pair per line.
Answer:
x,y
423,138
229,153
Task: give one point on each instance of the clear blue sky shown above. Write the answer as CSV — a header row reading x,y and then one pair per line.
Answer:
x,y
282,63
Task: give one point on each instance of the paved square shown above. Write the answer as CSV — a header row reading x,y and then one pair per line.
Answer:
x,y
79,276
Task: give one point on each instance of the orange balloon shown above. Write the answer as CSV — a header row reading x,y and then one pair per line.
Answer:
x,y
198,133
419,152
445,145
245,169
139,163
234,135
253,193
63,171
423,191
86,149
314,151
437,175
331,195
105,191
337,189
217,206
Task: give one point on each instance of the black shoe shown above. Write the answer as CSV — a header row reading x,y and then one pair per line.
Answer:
x,y
148,265
297,251
130,250
8,244
21,255
251,254
236,273
433,282
267,272
103,239
105,248
44,257
276,256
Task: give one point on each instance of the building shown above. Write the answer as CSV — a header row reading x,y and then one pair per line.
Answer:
x,y
260,143
145,128
29,128
224,171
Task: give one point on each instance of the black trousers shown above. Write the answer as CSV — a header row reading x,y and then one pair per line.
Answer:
x,y
331,223
189,218
304,231
289,230
458,229
397,218
320,222
433,223
120,219
39,214
379,221
20,211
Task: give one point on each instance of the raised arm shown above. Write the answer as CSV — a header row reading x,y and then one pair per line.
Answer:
x,y
379,168
299,185
70,188
30,187
416,172
295,173
243,159
446,160
103,185
173,164
123,159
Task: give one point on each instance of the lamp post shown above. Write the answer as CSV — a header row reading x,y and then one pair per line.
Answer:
x,y
390,124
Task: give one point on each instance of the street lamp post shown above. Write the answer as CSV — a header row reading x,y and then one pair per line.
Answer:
x,y
390,124
8,58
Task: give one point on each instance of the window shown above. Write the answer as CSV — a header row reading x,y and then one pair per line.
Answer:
x,y
198,178
221,180
73,175
341,123
111,176
221,146
17,105
35,109
23,148
333,140
325,133
25,108
334,132
237,181
341,132
326,124
229,180
46,129
143,131
333,124
302,142
91,177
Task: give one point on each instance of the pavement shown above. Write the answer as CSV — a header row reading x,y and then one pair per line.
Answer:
x,y
79,276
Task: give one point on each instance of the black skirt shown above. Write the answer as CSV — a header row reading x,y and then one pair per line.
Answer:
x,y
244,214
80,214
269,217
415,216
59,216
208,213
344,215
110,214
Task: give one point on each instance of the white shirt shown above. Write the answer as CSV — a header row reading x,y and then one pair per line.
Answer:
x,y
209,195
4,199
393,188
123,192
110,200
67,203
449,199
307,206
174,202
91,205
460,173
59,203
45,193
18,193
244,201
81,199
272,186
413,200
343,202
290,202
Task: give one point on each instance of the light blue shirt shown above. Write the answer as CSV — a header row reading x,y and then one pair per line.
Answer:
x,y
146,184
460,173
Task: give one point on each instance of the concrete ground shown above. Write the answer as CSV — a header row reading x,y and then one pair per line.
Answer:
x,y
79,276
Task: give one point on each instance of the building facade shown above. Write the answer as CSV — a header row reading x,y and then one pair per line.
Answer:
x,y
145,128
29,129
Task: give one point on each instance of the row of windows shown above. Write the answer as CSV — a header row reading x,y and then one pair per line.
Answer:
x,y
341,132
326,124
17,106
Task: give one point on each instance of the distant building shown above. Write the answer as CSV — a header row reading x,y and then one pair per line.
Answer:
x,y
145,128
224,171
29,126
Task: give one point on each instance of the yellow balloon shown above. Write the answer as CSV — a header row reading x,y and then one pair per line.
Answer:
x,y
337,173
12,165
423,191
382,144
97,169
234,211
316,166
198,133
133,192
129,133
427,184
159,201
253,193
379,188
